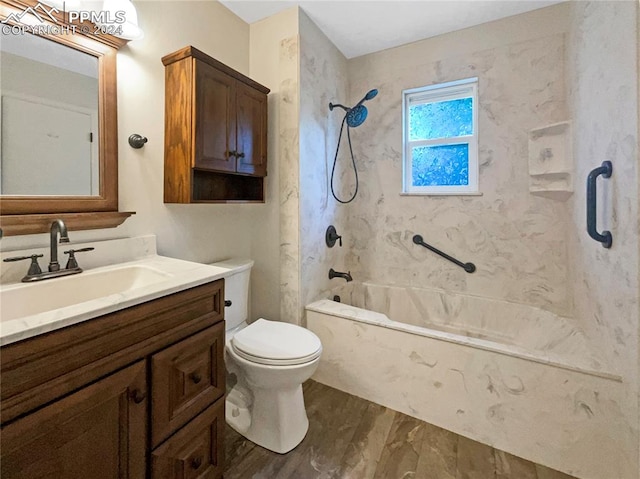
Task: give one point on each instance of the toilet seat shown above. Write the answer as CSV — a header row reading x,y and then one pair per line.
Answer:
x,y
276,343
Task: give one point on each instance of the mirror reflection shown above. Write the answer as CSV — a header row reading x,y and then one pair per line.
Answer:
x,y
49,119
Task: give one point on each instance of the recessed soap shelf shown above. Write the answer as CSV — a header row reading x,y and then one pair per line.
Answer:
x,y
551,161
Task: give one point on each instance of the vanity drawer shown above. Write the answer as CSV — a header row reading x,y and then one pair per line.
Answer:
x,y
196,451
185,379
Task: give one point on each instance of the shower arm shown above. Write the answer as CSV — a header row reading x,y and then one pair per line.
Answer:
x,y
333,105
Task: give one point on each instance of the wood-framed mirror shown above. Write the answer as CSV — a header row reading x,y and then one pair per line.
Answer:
x,y
59,121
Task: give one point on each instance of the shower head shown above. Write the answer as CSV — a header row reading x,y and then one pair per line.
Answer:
x,y
358,114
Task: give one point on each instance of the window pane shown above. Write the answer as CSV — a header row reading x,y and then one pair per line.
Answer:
x,y
444,165
442,119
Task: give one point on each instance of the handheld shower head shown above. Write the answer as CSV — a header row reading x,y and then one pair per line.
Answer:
x,y
358,114
371,94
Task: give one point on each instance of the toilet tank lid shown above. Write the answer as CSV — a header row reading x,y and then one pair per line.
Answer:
x,y
235,265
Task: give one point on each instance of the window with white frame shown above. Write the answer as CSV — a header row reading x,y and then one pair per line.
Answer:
x,y
440,139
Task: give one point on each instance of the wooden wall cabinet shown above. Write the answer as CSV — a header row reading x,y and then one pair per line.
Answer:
x,y
137,393
215,131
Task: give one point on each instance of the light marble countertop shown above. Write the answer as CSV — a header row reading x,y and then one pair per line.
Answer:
x,y
174,275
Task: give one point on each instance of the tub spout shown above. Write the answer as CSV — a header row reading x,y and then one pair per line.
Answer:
x,y
338,274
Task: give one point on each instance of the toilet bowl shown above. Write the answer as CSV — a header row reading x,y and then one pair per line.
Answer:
x,y
267,362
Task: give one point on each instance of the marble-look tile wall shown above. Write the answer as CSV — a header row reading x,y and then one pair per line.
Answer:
x,y
289,180
602,73
323,79
603,98
264,67
517,241
527,249
313,73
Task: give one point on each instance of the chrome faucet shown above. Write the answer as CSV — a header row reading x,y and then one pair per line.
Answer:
x,y
57,226
338,274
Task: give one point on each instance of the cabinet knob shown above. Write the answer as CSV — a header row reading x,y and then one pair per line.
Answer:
x,y
138,396
227,303
232,153
239,155
196,462
195,377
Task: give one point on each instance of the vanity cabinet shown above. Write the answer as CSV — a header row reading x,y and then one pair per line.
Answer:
x,y
215,131
85,434
135,392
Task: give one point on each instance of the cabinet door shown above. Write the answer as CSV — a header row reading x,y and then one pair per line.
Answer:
x,y
215,119
195,451
97,432
186,378
252,131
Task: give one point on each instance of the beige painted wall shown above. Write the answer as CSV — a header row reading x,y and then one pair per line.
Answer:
x,y
194,232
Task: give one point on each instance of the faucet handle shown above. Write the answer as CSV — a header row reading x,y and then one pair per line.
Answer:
x,y
72,263
34,267
331,236
81,250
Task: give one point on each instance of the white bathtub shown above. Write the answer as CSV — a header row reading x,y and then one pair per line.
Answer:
x,y
513,376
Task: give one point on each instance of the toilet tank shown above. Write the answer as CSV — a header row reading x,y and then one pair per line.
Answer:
x,y
236,290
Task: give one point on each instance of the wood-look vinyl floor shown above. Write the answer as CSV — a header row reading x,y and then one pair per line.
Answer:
x,y
350,437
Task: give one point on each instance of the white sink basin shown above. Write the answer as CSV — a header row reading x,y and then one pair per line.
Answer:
x,y
26,299
29,309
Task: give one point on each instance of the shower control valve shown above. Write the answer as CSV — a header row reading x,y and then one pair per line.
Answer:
x,y
331,236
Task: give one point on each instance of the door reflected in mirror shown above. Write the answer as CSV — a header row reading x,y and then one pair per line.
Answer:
x,y
49,96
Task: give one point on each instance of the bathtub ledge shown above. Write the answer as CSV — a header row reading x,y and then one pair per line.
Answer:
x,y
345,311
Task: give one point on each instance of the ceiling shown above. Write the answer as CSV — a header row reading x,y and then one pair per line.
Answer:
x,y
359,27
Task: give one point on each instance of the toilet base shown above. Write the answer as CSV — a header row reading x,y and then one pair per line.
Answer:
x,y
277,419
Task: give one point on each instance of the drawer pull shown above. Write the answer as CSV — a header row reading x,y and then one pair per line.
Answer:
x,y
227,303
138,396
196,462
195,377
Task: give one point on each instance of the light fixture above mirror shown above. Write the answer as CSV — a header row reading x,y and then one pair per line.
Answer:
x,y
130,29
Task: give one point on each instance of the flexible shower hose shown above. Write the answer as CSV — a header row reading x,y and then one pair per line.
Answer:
x,y
353,161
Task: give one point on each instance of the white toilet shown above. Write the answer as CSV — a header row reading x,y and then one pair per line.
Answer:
x,y
267,362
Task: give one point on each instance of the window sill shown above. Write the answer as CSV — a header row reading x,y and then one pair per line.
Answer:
x,y
474,193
